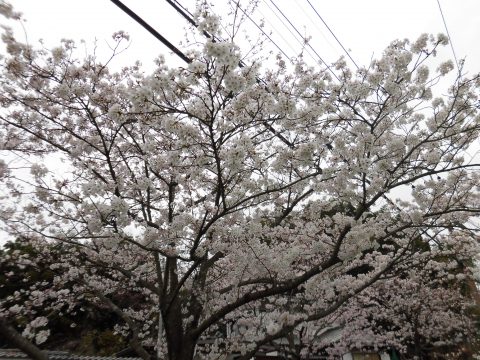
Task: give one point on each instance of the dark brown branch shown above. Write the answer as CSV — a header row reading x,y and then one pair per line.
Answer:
x,y
14,338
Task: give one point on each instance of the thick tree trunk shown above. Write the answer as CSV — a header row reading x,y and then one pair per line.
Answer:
x,y
183,349
180,347
188,350
17,340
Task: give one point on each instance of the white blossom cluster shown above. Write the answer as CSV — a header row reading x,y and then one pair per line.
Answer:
x,y
259,201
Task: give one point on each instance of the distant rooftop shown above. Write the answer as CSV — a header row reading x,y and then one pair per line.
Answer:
x,y
14,354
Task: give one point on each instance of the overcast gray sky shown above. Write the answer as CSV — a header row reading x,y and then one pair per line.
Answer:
x,y
366,27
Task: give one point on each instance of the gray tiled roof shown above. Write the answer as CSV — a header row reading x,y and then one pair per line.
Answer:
x,y
13,354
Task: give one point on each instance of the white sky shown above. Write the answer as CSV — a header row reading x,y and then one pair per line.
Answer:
x,y
364,26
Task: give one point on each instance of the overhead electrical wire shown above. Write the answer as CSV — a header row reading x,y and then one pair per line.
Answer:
x,y
189,17
301,41
183,11
263,32
181,55
448,34
272,26
310,46
151,30
331,32
241,64
192,16
315,24
183,7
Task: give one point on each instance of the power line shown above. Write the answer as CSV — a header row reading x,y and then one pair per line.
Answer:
x,y
331,32
263,32
180,54
315,24
448,34
310,46
241,64
189,17
265,18
182,10
152,31
301,41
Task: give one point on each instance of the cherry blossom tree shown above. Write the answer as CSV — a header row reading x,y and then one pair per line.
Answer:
x,y
425,310
74,324
221,193
413,317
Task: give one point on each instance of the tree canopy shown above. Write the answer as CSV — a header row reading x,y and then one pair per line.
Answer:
x,y
218,193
